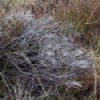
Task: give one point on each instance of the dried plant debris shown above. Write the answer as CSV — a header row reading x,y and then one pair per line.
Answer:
x,y
41,58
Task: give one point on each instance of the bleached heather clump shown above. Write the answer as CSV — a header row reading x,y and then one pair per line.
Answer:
x,y
43,59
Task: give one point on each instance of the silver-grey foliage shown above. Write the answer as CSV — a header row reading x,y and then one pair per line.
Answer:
x,y
44,58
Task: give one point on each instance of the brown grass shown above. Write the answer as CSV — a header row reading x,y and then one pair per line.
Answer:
x,y
85,13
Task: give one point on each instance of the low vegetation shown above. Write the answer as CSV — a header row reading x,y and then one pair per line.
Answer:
x,y
81,16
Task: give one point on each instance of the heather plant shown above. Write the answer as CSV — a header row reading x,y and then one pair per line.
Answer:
x,y
38,61
36,54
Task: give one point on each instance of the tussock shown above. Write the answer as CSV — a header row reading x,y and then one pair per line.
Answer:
x,y
40,58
